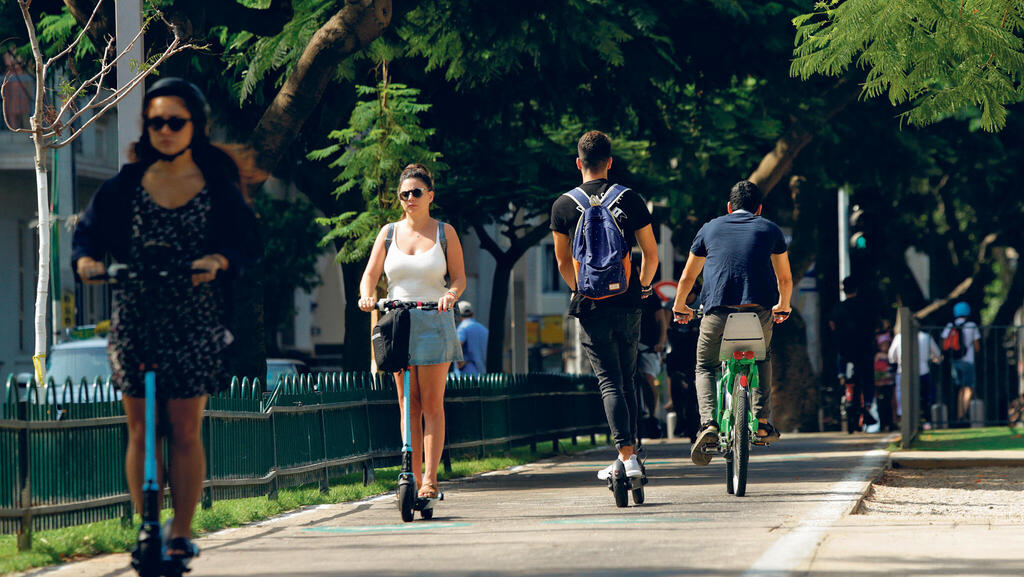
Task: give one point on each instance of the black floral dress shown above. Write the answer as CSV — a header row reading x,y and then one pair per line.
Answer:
x,y
167,321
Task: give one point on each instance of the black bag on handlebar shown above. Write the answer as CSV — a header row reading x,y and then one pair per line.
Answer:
x,y
390,339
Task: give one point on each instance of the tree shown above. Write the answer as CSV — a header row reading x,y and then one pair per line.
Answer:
x,y
384,134
940,59
53,127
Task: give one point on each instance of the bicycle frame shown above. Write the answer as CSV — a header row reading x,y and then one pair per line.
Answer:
x,y
724,389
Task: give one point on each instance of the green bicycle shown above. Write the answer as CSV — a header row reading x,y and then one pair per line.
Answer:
x,y
743,345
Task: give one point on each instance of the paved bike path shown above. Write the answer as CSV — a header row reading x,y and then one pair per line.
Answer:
x,y
556,518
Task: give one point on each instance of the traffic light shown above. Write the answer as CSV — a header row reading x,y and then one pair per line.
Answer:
x,y
860,241
858,228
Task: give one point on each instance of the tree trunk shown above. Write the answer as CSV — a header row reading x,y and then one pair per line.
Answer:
x,y
350,29
1014,299
498,311
356,355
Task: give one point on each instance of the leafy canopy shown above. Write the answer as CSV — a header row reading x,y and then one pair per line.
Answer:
x,y
940,58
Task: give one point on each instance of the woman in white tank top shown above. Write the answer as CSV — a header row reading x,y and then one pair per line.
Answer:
x,y
422,259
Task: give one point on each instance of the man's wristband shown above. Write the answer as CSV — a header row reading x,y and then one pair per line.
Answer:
x,y
646,290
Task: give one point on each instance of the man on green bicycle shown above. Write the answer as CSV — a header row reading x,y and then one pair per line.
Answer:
x,y
746,267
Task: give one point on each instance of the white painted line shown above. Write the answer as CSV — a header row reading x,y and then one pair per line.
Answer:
x,y
793,549
292,515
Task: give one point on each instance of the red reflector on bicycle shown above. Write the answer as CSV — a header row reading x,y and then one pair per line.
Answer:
x,y
738,355
748,355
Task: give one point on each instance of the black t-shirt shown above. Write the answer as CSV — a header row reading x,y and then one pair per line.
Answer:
x,y
565,215
738,270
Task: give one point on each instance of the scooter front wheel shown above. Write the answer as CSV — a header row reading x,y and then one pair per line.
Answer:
x,y
620,485
406,500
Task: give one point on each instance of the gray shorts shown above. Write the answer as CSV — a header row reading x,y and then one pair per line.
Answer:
x,y
432,338
649,363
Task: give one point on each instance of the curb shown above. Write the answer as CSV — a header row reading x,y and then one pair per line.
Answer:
x,y
921,462
874,474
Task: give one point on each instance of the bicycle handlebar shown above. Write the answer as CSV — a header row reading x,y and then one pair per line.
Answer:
x,y
699,312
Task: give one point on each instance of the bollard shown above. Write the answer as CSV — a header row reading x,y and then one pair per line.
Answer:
x,y
670,424
977,413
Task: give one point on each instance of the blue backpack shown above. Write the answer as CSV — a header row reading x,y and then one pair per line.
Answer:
x,y
600,253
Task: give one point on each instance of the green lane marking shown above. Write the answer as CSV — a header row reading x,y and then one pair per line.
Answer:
x,y
387,528
625,521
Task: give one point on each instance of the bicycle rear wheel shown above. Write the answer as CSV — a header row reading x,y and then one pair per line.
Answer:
x,y
741,437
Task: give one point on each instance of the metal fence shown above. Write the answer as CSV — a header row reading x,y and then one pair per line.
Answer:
x,y
63,450
999,375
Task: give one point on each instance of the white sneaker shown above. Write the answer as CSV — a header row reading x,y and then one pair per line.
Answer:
x,y
632,469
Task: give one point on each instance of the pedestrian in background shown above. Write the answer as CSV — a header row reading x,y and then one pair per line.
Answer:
x,y
473,337
961,339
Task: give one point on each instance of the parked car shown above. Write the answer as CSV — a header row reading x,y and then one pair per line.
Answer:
x,y
283,367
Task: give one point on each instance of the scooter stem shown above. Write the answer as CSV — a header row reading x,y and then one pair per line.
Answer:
x,y
149,482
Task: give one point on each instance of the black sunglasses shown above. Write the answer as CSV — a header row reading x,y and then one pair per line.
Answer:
x,y
175,123
413,192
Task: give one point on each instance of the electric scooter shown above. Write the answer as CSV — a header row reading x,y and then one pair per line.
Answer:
x,y
149,557
408,499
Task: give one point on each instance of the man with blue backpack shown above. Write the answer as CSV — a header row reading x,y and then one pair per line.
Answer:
x,y
594,226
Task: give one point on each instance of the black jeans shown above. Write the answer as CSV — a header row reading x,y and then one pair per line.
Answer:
x,y
610,340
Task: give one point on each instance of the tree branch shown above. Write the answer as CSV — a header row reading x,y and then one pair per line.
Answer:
x,y
350,29
101,28
961,289
779,161
77,41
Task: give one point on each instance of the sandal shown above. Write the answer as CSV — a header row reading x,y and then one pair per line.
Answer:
x,y
770,432
428,491
182,544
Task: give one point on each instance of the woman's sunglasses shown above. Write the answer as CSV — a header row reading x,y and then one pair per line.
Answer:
x,y
413,192
175,123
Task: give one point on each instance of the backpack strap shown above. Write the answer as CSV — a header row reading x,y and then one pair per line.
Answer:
x,y
612,195
441,238
390,236
580,198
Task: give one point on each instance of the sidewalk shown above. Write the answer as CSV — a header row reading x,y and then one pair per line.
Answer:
x,y
956,459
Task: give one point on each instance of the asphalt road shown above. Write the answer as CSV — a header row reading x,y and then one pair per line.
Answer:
x,y
556,518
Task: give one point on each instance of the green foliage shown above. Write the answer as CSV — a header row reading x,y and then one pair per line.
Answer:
x,y
938,58
253,59
384,135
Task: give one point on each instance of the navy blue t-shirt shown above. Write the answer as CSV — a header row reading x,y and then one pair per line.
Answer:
x,y
738,270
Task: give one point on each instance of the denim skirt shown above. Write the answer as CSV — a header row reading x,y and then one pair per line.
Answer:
x,y
432,338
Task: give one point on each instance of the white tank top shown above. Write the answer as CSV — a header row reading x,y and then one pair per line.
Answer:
x,y
416,277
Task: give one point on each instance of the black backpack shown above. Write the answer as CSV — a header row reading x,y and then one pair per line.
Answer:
x,y
390,341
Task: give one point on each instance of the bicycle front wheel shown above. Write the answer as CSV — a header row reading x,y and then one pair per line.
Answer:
x,y
740,436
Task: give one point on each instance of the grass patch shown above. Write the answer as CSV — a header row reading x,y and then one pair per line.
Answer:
x,y
983,439
83,541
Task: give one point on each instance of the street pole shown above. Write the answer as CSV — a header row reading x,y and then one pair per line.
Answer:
x,y
128,18
844,238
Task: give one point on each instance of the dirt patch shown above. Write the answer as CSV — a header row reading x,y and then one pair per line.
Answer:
x,y
990,493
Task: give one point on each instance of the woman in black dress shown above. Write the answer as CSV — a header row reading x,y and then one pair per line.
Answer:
x,y
178,206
